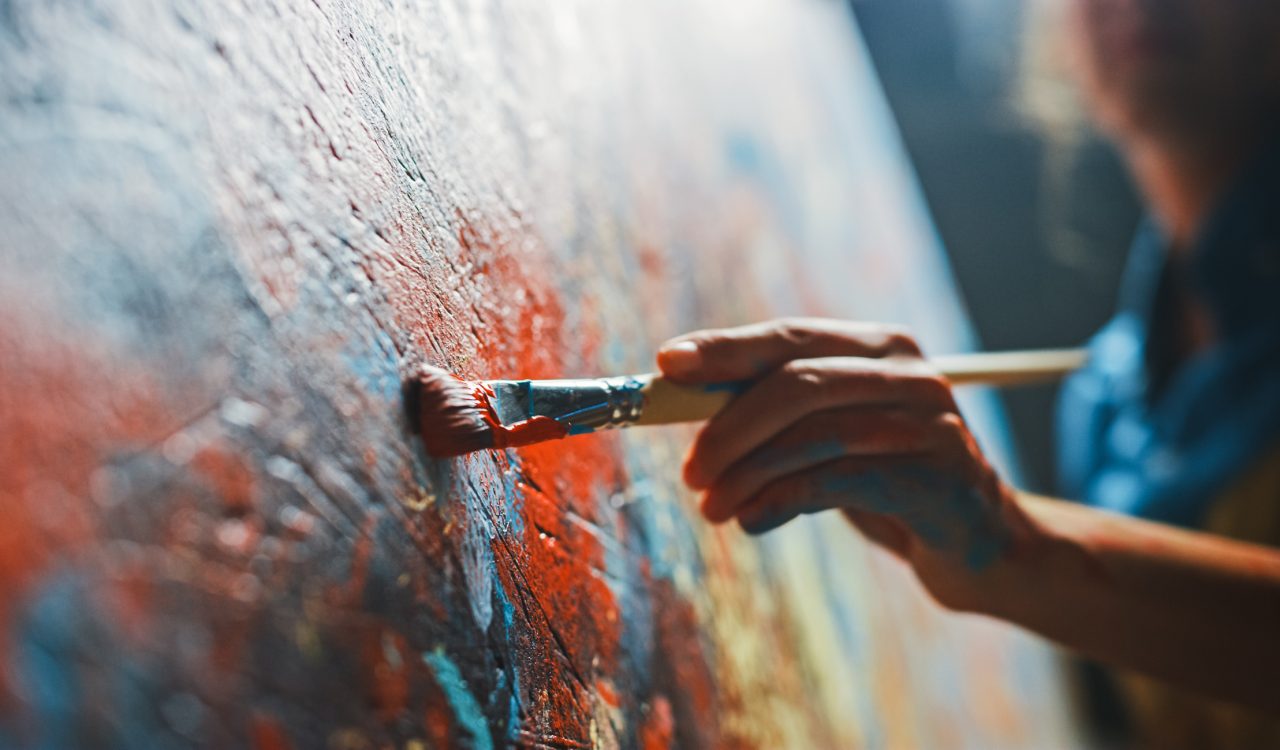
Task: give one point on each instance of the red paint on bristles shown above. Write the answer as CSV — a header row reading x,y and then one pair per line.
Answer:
x,y
455,416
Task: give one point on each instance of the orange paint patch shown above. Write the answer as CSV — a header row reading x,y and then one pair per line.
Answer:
x,y
604,688
504,281
384,654
63,406
658,730
130,598
228,476
265,733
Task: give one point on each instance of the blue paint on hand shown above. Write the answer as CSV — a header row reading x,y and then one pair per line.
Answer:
x,y
945,515
732,386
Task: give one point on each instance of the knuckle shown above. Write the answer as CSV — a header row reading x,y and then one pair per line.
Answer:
x,y
900,340
719,349
803,378
796,332
954,433
708,342
934,386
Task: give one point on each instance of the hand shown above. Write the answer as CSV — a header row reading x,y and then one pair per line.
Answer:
x,y
849,416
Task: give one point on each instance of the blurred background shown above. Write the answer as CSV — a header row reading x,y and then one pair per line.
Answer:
x,y
1033,206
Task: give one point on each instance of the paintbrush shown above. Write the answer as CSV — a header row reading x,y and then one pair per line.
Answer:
x,y
455,416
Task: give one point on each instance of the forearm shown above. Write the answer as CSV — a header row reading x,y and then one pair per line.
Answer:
x,y
1185,607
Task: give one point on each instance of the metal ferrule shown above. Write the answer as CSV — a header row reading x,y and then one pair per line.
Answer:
x,y
581,405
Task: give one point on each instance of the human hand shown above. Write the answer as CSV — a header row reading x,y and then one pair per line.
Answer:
x,y
849,416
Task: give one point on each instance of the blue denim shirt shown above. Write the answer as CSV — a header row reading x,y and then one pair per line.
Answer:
x,y
1166,454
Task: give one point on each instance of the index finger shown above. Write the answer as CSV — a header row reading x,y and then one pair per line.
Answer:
x,y
749,351
804,387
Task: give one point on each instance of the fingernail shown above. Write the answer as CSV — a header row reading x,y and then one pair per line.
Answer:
x,y
680,359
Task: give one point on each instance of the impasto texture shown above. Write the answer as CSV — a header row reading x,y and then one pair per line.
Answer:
x,y
230,228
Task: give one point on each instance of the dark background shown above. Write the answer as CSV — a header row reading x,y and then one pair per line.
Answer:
x,y
1037,231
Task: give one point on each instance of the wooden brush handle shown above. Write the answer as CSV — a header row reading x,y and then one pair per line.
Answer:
x,y
667,402
1010,368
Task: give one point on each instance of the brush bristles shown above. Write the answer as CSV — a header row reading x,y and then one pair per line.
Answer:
x,y
446,413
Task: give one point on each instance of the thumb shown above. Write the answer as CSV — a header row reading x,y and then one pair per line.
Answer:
x,y
747,352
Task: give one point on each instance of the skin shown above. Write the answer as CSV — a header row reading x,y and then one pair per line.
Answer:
x,y
849,416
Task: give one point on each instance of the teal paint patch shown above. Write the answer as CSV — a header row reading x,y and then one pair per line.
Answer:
x,y
464,704
375,364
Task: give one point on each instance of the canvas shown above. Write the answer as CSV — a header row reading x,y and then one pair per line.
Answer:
x,y
230,230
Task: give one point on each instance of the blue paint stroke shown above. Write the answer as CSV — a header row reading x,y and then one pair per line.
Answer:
x,y
464,704
67,662
508,634
375,365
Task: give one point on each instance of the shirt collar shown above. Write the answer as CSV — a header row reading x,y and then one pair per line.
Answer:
x,y
1235,262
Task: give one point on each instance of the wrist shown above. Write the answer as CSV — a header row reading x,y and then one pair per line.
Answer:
x,y
1043,552
1001,587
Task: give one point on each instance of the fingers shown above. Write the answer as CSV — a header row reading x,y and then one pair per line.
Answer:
x,y
834,414
747,352
859,482
814,440
803,387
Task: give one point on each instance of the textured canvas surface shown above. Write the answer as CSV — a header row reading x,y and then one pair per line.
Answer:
x,y
228,229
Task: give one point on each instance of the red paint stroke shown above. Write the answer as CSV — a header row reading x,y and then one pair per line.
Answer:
x,y
228,477
570,636
658,730
350,594
556,573
129,597
488,304
437,719
607,693
65,407
385,655
683,672
535,429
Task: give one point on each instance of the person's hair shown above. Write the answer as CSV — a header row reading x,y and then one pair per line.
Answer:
x,y
1045,93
